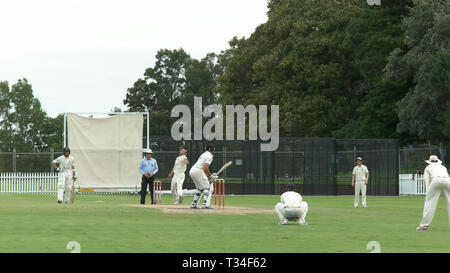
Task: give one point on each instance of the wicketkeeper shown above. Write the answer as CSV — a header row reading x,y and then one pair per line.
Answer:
x,y
178,175
292,207
203,178
437,181
65,167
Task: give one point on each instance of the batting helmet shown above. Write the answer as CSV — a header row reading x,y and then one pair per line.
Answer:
x,y
290,187
66,150
210,147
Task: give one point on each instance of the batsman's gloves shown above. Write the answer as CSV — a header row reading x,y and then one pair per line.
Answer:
x,y
214,176
73,176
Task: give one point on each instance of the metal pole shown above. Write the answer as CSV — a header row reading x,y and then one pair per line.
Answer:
x,y
52,157
64,132
148,130
14,160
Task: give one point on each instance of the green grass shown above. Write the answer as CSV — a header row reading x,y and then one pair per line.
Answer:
x,y
36,223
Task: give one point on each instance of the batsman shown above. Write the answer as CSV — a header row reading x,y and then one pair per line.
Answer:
x,y
203,178
65,167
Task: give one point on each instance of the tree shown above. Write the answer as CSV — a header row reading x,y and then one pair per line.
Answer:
x,y
425,62
175,79
371,36
297,60
5,123
27,118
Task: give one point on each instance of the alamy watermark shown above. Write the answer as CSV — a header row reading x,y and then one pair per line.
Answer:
x,y
74,247
375,246
374,2
257,123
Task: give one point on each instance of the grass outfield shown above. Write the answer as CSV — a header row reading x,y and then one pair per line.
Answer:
x,y
36,223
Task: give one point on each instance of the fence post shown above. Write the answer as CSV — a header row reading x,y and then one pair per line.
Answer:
x,y
14,154
52,157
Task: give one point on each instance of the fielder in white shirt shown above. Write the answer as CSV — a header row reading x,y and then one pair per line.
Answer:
x,y
177,174
360,179
291,207
437,181
203,178
66,172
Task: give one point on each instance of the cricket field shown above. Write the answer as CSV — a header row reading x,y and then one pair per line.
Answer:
x,y
113,223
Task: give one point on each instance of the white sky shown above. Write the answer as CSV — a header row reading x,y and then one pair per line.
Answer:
x,y
82,55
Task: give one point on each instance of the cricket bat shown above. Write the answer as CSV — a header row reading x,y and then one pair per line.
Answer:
x,y
72,191
226,165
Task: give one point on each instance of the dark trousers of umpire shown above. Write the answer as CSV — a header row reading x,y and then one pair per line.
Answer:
x,y
146,182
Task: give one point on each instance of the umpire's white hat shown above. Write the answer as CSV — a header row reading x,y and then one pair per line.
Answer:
x,y
148,151
433,160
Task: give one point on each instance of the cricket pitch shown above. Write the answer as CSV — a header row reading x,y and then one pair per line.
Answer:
x,y
185,209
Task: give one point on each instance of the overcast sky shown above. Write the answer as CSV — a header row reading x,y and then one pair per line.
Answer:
x,y
82,55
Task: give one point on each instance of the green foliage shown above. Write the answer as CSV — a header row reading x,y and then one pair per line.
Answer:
x,y
24,125
424,62
175,79
297,60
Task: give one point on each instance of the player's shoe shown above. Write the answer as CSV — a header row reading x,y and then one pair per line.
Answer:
x,y
283,222
59,201
302,223
364,206
180,199
193,206
422,228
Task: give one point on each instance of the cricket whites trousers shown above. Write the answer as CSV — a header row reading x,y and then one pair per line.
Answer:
x,y
438,185
360,188
204,187
177,186
64,186
289,213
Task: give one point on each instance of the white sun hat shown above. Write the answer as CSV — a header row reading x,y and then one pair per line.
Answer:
x,y
147,151
433,160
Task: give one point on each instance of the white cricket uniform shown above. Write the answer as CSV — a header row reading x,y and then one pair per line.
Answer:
x,y
198,174
291,207
437,181
179,168
360,186
64,177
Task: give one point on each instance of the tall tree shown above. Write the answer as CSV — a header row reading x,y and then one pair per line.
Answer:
x,y
5,111
425,62
175,79
27,118
371,36
297,60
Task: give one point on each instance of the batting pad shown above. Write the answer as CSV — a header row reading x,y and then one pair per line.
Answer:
x,y
107,151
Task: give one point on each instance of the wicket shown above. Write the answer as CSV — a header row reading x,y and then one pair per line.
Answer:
x,y
219,192
157,186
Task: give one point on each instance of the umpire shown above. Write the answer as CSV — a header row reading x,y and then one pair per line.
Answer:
x,y
148,168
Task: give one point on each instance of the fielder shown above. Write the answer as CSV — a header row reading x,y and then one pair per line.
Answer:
x,y
66,173
292,207
437,181
202,178
360,179
177,174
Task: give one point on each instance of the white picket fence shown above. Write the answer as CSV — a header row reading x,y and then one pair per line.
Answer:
x,y
410,186
28,182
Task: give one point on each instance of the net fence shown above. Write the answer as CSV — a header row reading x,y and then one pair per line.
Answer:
x,y
318,166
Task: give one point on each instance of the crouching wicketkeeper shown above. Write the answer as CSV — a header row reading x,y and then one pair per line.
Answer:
x,y
66,175
292,207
